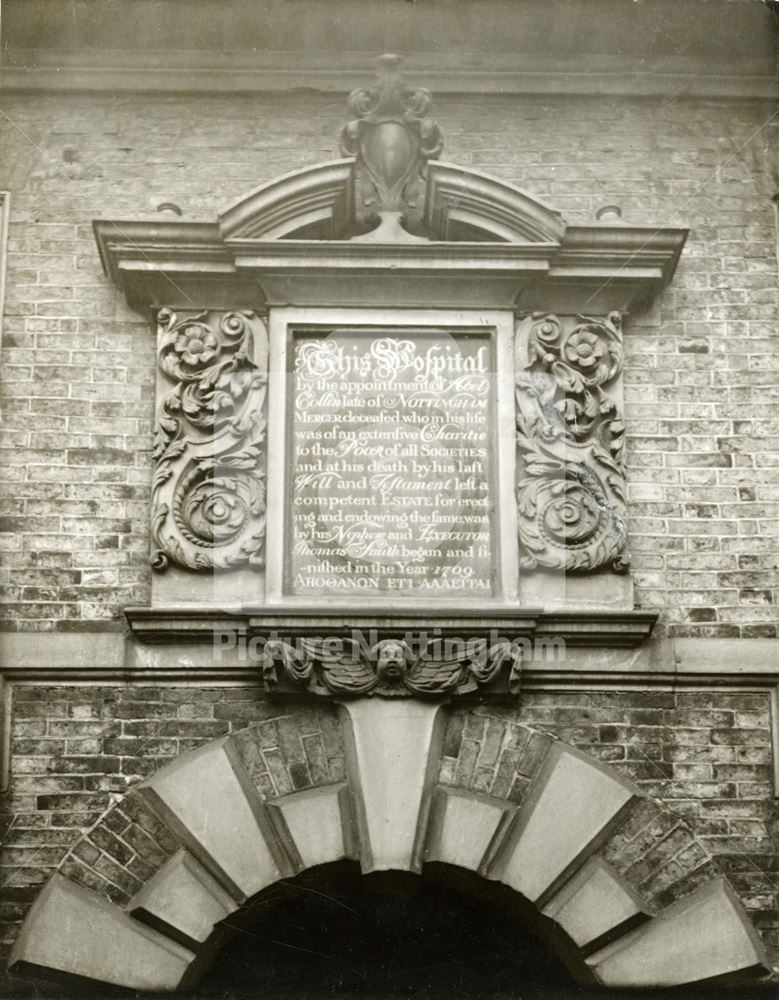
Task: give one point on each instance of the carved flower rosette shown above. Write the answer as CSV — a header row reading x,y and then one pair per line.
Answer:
x,y
570,439
208,491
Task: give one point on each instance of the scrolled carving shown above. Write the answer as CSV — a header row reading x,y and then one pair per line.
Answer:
x,y
208,491
391,138
343,668
570,437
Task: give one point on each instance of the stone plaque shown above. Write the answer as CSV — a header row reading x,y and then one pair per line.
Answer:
x,y
390,453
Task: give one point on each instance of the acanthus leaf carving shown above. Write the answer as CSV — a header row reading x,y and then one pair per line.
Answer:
x,y
344,668
571,501
391,138
208,490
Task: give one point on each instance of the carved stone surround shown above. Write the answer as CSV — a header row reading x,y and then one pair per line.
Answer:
x,y
210,480
389,235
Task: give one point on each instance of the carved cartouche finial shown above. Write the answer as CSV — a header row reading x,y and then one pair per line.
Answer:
x,y
391,139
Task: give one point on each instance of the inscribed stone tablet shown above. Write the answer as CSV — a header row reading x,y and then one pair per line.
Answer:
x,y
391,464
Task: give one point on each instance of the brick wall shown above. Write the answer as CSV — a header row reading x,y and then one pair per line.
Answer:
x,y
78,366
77,750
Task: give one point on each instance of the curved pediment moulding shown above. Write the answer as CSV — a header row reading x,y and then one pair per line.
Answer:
x,y
313,200
461,205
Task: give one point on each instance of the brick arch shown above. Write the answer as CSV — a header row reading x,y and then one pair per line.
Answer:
x,y
138,898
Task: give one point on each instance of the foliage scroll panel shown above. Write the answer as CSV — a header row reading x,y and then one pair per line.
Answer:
x,y
209,486
570,444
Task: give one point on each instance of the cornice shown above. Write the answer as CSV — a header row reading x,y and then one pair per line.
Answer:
x,y
605,267
651,250
301,198
106,71
92,656
459,195
591,628
156,245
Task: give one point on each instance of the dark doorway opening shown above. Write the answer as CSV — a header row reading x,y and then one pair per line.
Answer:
x,y
333,932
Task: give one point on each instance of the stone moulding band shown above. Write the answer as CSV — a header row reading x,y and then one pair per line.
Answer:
x,y
599,628
107,70
745,665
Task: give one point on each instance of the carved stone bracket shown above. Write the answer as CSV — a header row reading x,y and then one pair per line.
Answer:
x,y
389,669
208,492
392,139
570,440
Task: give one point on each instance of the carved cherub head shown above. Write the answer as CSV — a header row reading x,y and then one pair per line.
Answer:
x,y
389,668
392,660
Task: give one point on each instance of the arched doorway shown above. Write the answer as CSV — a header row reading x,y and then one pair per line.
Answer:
x,y
334,932
618,886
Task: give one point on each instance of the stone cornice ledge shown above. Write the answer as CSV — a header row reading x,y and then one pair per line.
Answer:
x,y
502,73
625,629
600,267
95,656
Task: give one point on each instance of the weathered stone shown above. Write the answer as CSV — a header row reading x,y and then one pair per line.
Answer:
x,y
462,828
206,801
545,842
319,822
391,749
71,930
182,895
595,901
701,937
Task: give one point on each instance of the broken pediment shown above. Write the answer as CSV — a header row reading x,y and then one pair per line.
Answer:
x,y
389,224
460,205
